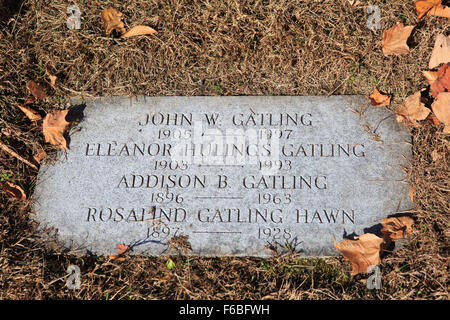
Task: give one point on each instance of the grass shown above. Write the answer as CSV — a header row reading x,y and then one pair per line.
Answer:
x,y
214,47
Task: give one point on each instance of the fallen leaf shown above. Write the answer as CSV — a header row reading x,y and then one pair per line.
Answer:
x,y
431,76
362,252
436,155
394,39
13,189
423,6
395,228
32,114
442,83
411,193
51,77
441,108
111,20
440,11
412,110
53,127
138,31
433,119
379,100
354,3
36,90
40,156
122,250
441,51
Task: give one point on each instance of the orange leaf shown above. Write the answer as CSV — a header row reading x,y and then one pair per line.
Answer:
x,y
442,83
36,90
423,6
411,193
441,108
433,119
32,114
137,31
53,127
41,155
379,100
394,39
111,20
412,110
441,51
362,252
13,189
395,228
440,11
122,250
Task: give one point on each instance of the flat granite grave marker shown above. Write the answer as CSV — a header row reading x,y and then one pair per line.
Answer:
x,y
236,175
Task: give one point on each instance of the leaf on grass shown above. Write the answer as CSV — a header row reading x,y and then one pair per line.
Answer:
x,y
394,39
396,228
412,110
354,3
13,189
423,6
433,119
40,156
112,20
441,51
122,250
362,252
440,11
51,77
431,76
442,83
32,114
138,31
441,108
53,127
36,90
379,100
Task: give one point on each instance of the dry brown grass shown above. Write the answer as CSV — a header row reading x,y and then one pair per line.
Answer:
x,y
208,48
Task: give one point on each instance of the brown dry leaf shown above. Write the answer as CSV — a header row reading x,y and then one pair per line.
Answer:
x,y
36,90
441,108
354,3
441,51
433,119
138,31
431,76
32,114
442,83
423,6
412,110
440,11
53,127
411,193
122,250
436,155
362,253
111,20
51,77
396,228
394,39
13,189
379,100
40,156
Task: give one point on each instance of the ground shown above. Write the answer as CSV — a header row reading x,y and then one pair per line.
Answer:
x,y
215,47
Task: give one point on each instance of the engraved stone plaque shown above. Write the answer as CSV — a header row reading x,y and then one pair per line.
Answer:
x,y
236,175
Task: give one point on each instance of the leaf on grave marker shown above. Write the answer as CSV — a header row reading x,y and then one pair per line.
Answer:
x,y
423,6
138,31
412,110
36,90
440,11
442,83
396,228
32,114
394,39
362,252
14,190
122,250
112,20
379,100
54,126
441,51
441,108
